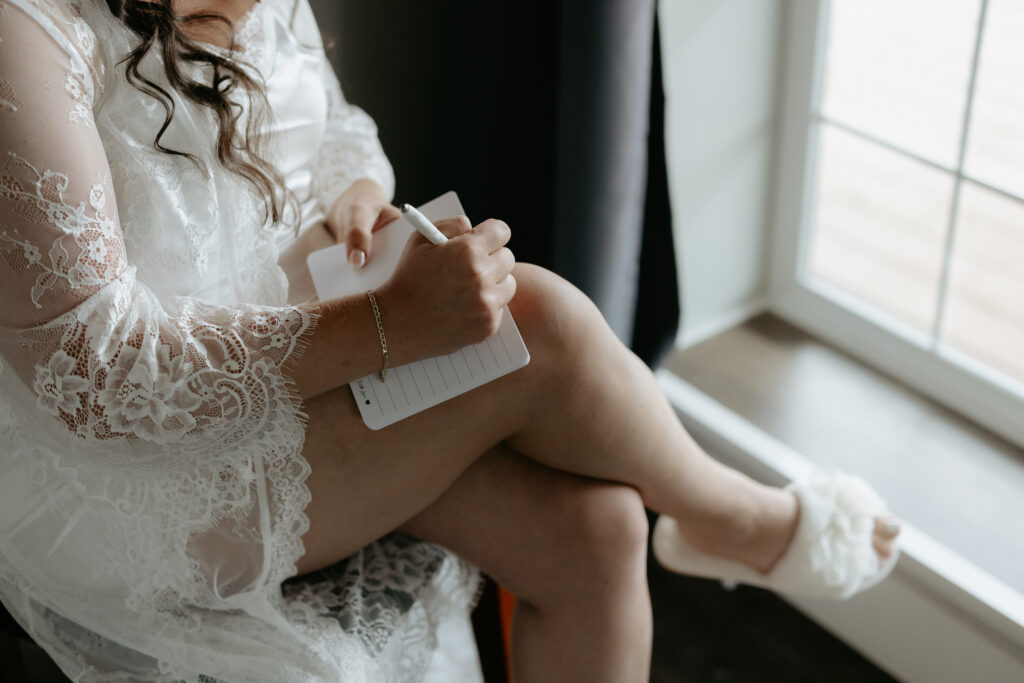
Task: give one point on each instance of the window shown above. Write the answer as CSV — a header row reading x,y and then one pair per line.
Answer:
x,y
900,224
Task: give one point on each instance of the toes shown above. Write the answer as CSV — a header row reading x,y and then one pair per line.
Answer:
x,y
887,527
883,546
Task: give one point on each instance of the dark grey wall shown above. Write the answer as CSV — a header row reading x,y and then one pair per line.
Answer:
x,y
463,93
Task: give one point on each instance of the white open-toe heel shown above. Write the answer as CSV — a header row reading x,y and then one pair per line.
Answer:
x,y
831,554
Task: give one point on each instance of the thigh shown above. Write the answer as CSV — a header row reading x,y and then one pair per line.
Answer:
x,y
366,483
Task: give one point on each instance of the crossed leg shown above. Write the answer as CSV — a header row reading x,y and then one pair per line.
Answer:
x,y
585,406
574,552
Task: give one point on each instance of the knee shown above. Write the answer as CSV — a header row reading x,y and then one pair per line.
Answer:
x,y
551,313
605,534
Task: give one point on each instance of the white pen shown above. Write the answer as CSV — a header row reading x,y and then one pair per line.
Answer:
x,y
425,227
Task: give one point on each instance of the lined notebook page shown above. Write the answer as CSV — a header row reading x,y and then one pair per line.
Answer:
x,y
416,386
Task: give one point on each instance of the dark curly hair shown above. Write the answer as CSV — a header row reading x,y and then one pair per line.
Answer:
x,y
160,28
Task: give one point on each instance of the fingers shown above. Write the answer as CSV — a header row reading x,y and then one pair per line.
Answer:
x,y
454,226
493,234
500,264
470,279
499,296
357,234
386,215
361,222
505,290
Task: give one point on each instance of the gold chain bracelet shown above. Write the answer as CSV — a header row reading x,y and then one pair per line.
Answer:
x,y
380,330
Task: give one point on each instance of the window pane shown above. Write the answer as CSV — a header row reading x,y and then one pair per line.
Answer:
x,y
995,146
879,226
899,71
984,315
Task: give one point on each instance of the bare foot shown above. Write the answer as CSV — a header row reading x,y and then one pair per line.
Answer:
x,y
761,532
886,531
758,531
778,536
757,534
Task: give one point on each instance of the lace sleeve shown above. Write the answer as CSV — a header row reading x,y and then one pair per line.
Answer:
x,y
351,148
97,354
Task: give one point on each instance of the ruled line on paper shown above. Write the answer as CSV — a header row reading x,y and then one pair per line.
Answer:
x,y
505,348
429,381
376,399
490,351
398,376
441,373
480,359
451,363
415,382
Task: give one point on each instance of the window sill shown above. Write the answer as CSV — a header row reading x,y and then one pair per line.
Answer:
x,y
762,395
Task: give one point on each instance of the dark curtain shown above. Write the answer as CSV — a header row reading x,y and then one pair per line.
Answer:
x,y
548,115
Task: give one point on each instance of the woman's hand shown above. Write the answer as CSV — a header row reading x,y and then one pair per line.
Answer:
x,y
441,298
356,214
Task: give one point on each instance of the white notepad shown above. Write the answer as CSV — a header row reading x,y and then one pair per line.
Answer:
x,y
416,386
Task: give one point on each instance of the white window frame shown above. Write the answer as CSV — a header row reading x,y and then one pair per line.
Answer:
x,y
948,377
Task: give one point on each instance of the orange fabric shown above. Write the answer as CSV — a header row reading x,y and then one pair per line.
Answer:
x,y
507,605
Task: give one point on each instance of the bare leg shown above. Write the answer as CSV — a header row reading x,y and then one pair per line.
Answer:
x,y
574,552
584,405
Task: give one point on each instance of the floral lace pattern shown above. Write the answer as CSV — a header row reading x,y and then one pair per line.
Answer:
x,y
369,593
78,40
57,389
139,385
378,596
94,237
151,471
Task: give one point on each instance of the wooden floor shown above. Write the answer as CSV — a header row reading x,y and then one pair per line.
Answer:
x,y
950,478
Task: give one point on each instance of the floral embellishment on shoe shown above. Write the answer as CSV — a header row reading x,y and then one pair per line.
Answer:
x,y
836,551
831,554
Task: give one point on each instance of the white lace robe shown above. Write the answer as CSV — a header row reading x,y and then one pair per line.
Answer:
x,y
151,477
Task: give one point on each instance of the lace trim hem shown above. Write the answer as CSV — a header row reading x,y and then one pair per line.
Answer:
x,y
286,540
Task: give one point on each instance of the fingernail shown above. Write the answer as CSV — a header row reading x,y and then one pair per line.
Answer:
x,y
357,257
891,525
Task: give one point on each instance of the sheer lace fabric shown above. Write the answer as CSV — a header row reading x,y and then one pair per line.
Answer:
x,y
151,476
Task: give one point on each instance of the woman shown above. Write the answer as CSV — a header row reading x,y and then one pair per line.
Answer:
x,y
178,438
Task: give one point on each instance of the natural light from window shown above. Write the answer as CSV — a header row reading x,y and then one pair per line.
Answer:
x,y
919,191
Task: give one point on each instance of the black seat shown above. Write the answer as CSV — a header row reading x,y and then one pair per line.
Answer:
x,y
12,668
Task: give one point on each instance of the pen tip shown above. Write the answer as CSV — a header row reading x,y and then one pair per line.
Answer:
x,y
405,208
